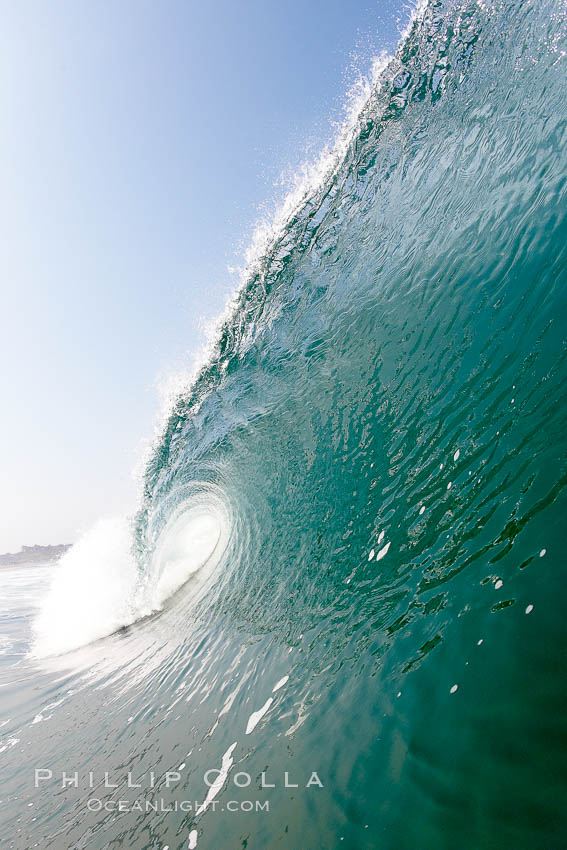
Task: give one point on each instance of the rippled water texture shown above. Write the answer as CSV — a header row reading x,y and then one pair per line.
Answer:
x,y
348,556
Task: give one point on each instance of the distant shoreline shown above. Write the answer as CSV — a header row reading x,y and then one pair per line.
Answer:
x,y
33,555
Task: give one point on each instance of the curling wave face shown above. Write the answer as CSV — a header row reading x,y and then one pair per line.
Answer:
x,y
348,553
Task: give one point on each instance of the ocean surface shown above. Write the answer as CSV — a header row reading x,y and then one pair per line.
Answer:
x,y
339,618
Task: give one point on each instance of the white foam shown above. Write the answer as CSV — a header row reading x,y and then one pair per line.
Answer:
x,y
91,593
280,684
256,716
8,743
218,784
43,713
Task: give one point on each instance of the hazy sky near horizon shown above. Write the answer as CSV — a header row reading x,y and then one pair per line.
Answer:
x,y
139,142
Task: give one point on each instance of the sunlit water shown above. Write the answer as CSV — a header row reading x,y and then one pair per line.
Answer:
x,y
348,556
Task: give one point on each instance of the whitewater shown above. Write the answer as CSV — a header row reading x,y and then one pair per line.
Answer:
x,y
347,558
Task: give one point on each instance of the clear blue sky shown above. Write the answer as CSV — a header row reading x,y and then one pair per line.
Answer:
x,y
138,141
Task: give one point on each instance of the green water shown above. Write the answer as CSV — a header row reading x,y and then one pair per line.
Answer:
x,y
380,438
